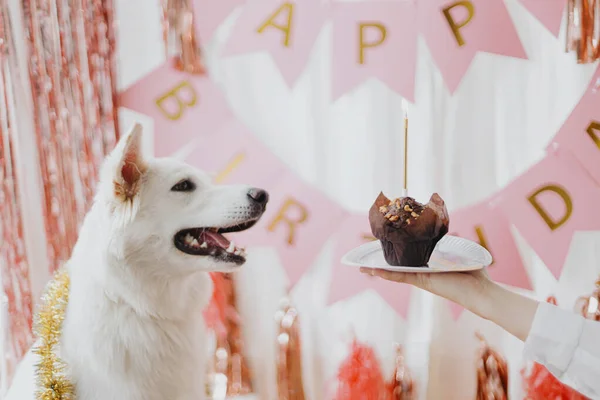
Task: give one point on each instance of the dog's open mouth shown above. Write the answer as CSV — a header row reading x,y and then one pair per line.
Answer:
x,y
211,242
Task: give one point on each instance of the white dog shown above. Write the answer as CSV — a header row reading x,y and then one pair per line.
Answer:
x,y
139,279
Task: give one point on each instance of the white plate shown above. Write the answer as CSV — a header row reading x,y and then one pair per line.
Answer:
x,y
452,254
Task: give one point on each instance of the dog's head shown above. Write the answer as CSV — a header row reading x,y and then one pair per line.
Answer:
x,y
167,213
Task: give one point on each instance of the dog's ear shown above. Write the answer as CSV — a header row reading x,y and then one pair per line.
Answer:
x,y
129,164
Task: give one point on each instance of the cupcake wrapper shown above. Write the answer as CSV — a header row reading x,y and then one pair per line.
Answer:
x,y
408,254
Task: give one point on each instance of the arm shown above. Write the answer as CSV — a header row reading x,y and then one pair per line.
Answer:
x,y
511,311
477,293
564,342
567,344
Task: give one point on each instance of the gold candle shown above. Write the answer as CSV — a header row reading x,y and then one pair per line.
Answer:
x,y
405,110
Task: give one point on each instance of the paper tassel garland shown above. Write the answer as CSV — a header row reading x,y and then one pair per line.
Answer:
x,y
492,374
589,306
583,29
179,35
231,374
289,354
216,312
402,386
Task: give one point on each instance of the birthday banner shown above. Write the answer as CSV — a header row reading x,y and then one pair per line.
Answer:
x,y
285,29
384,48
208,16
548,12
375,38
547,204
457,30
580,134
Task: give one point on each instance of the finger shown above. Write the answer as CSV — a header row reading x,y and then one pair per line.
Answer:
x,y
394,276
422,281
379,273
402,277
484,273
368,271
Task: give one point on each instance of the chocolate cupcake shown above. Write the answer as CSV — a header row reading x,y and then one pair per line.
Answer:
x,y
407,229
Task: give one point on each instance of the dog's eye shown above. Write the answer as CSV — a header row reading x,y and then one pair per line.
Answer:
x,y
184,186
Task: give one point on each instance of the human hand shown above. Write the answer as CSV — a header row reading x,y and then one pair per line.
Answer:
x,y
475,292
472,290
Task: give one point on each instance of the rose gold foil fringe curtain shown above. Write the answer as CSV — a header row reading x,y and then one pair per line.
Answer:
x,y
14,267
72,71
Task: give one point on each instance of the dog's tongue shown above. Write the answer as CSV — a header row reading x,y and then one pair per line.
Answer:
x,y
216,238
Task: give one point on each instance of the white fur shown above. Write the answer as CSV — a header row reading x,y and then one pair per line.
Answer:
x,y
134,328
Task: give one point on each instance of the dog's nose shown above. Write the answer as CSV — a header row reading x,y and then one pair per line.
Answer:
x,y
258,195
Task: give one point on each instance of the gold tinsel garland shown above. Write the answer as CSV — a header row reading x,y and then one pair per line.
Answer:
x,y
52,382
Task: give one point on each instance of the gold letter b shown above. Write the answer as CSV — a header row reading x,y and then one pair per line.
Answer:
x,y
182,103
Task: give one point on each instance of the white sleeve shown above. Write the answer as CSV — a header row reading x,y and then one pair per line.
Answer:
x,y
568,345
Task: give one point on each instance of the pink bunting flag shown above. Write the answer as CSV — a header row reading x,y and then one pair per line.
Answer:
x,y
375,39
456,30
285,29
580,134
549,203
348,281
488,226
548,12
298,221
235,156
210,14
183,106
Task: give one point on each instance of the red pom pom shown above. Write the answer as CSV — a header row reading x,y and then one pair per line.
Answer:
x,y
542,385
360,376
